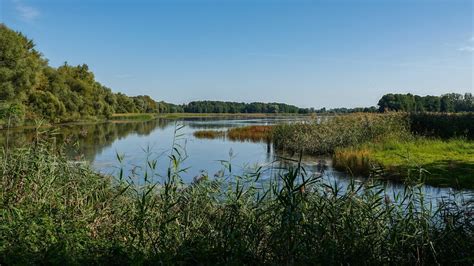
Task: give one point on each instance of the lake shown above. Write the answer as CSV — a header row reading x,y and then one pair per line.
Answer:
x,y
100,143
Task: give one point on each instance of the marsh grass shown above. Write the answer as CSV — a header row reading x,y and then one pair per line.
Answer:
x,y
55,211
209,134
247,133
325,136
251,133
448,162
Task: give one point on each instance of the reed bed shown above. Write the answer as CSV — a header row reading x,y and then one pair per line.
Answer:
x,y
251,133
209,134
247,133
326,136
54,211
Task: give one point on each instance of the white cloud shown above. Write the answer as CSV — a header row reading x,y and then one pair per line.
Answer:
x,y
469,47
26,12
466,49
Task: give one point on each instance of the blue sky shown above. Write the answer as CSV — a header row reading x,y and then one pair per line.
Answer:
x,y
337,53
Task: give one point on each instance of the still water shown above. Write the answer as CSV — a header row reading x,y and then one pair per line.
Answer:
x,y
99,144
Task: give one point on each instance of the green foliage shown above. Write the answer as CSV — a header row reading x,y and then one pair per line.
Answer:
x,y
235,107
447,103
55,211
443,125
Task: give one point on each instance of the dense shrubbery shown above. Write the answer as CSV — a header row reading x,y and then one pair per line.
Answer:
x,y
54,211
443,125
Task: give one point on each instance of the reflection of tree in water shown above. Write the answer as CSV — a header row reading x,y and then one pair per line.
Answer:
x,y
91,138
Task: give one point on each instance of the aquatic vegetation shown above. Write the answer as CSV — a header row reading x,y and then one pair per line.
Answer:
x,y
247,133
208,134
252,133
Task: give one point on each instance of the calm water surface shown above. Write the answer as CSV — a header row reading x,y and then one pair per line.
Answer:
x,y
99,144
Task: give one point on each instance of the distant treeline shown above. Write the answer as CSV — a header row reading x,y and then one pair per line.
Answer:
x,y
447,103
236,107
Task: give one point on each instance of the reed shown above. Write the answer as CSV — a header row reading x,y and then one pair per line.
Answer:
x,y
325,136
248,133
251,133
209,134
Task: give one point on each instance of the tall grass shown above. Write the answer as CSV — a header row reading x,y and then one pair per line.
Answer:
x,y
252,133
326,136
248,133
54,211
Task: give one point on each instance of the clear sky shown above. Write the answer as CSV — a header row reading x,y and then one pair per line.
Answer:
x,y
337,53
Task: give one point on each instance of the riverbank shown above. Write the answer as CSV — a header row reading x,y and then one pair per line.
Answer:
x,y
55,211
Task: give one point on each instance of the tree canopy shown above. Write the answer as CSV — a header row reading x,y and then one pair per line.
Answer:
x,y
448,103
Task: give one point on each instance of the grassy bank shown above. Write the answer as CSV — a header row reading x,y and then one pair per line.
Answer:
x,y
54,211
448,162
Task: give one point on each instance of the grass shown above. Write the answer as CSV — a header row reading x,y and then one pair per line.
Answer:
x,y
325,136
449,162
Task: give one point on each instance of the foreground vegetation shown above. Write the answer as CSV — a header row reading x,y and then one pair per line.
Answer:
x,y
54,211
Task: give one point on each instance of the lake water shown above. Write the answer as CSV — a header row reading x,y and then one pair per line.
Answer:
x,y
100,143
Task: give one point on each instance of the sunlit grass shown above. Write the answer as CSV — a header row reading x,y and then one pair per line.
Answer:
x,y
448,162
